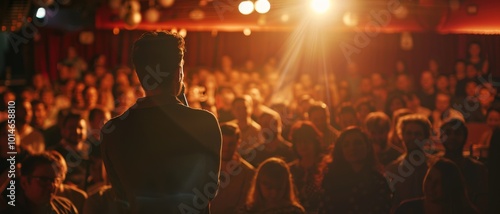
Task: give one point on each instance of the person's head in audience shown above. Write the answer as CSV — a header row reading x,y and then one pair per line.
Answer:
x,y
257,98
150,51
470,88
224,97
394,102
471,71
427,81
40,176
37,81
445,190
97,118
319,115
243,108
353,152
485,97
7,96
378,126
39,114
344,91
400,67
363,108
125,98
365,86
100,71
414,130
378,80
303,104
74,129
24,113
230,140
305,80
442,83
62,163
460,67
63,71
434,66
347,116
77,98
91,96
89,79
47,97
403,82
493,118
474,50
28,94
271,128
107,82
98,60
306,141
272,187
412,101
443,102
454,135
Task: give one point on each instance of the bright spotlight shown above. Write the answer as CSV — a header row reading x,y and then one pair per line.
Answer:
x,y
245,7
320,6
262,6
247,31
40,13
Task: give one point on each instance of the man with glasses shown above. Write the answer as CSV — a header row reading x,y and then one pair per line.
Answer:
x,y
38,182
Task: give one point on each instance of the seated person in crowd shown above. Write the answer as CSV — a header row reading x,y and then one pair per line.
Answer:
x,y
454,136
40,177
74,148
274,143
236,173
319,115
251,137
444,193
406,174
75,195
354,182
309,168
31,139
378,126
272,190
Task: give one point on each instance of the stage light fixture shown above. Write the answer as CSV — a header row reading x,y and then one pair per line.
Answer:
x,y
40,13
320,6
262,6
246,7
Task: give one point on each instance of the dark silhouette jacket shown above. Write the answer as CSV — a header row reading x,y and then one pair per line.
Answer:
x,y
163,157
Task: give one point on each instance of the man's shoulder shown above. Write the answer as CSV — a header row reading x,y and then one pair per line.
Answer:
x,y
62,205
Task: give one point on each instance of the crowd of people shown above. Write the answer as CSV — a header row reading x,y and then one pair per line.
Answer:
x,y
389,142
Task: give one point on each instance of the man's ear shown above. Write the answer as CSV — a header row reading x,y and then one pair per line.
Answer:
x,y
181,73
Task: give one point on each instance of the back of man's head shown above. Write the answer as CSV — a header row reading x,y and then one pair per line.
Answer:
x,y
157,57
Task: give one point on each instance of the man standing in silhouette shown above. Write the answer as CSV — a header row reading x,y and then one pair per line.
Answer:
x,y
160,155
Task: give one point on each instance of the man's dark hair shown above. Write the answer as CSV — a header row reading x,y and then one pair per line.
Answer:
x,y
163,49
29,164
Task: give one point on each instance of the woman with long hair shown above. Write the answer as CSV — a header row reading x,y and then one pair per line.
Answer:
x,y
354,182
307,170
272,190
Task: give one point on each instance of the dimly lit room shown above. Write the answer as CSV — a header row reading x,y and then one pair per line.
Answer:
x,y
250,106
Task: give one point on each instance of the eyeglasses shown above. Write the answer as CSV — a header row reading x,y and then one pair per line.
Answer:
x,y
47,180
